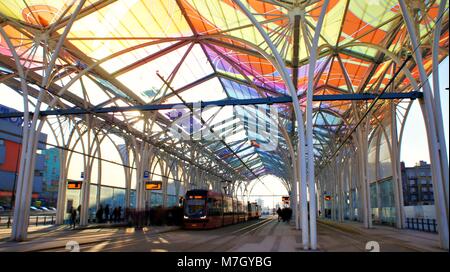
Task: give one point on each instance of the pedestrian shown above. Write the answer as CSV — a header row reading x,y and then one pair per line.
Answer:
x,y
106,211
99,214
288,214
119,212
79,211
116,215
279,212
73,217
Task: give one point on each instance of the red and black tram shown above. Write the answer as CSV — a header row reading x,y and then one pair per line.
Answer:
x,y
205,209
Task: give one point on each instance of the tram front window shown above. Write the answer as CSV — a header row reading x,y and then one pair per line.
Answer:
x,y
195,208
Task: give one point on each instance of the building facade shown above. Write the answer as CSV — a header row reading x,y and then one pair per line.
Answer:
x,y
417,184
50,178
10,149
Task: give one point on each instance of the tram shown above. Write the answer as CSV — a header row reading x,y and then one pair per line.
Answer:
x,y
205,209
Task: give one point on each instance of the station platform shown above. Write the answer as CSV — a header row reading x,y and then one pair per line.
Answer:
x,y
263,235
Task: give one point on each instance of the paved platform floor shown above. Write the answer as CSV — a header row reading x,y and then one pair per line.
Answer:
x,y
264,235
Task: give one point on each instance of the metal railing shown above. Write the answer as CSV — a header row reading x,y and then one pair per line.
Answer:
x,y
422,224
6,220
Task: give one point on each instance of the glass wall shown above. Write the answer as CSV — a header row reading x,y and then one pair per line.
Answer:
x,y
380,176
111,196
172,200
387,202
385,166
374,202
156,200
73,200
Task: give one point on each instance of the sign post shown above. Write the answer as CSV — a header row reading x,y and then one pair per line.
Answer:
x,y
146,174
74,185
153,185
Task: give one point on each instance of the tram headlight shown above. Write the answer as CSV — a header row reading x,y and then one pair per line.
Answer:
x,y
185,217
203,217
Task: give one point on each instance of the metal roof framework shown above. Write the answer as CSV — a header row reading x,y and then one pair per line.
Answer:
x,y
360,48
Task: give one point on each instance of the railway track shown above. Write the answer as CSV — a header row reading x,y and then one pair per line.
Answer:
x,y
124,241
233,235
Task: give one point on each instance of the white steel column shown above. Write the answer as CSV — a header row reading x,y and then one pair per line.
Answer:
x,y
279,64
85,193
61,200
128,175
21,213
99,178
396,172
142,161
31,134
309,127
365,190
85,187
428,107
437,103
165,181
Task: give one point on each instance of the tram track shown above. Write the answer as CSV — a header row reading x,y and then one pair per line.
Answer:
x,y
113,243
241,232
122,238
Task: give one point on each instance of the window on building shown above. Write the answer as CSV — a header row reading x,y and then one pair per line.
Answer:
x,y
423,181
413,190
413,198
412,182
425,197
424,189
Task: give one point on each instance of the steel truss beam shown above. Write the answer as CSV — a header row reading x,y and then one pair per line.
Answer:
x,y
221,103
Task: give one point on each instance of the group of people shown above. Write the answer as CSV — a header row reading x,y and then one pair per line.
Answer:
x,y
284,214
104,215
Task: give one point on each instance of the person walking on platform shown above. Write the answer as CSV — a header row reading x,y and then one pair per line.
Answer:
x,y
106,211
79,212
279,214
99,214
116,215
73,217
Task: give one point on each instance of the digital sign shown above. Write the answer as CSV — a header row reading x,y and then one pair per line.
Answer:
x,y
74,185
153,185
327,198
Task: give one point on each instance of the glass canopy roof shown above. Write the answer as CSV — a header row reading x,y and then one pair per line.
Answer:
x,y
177,51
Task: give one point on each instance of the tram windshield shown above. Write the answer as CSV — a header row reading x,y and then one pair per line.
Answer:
x,y
195,207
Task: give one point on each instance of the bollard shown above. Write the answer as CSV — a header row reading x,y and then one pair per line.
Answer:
x,y
8,224
37,220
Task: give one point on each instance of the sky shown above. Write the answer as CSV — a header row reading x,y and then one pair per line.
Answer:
x,y
414,145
